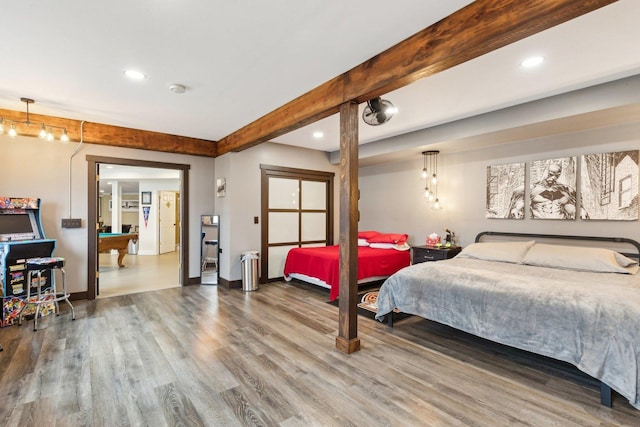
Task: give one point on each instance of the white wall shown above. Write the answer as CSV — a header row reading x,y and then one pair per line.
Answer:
x,y
242,202
392,194
149,232
32,167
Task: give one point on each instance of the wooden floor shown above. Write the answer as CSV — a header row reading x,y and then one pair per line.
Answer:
x,y
203,355
141,273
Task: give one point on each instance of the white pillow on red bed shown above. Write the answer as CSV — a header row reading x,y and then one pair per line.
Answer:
x,y
598,260
394,238
398,247
513,252
363,242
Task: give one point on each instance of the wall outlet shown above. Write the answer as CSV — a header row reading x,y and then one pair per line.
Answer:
x,y
71,222
255,219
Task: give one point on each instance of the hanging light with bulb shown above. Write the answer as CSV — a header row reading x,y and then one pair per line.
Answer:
x,y
424,175
46,130
430,176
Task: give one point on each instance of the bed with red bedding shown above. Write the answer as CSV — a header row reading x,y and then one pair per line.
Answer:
x,y
323,265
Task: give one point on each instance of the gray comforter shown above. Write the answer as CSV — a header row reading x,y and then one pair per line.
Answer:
x,y
591,320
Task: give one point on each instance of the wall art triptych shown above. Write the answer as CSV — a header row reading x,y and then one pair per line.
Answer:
x,y
608,188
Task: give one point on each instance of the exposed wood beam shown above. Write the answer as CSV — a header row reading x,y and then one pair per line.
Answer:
x,y
477,29
115,136
347,340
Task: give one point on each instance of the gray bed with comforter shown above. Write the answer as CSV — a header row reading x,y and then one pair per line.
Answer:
x,y
587,318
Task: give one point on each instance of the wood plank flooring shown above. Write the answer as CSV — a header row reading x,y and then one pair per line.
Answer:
x,y
208,356
141,273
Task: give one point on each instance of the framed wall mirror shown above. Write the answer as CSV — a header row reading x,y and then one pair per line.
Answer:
x,y
209,250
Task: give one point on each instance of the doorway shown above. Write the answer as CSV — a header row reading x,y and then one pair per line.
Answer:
x,y
147,260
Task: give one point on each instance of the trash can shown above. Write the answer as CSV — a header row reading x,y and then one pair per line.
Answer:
x,y
132,248
249,264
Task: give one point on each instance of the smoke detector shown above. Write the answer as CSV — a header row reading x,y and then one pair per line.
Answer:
x,y
177,88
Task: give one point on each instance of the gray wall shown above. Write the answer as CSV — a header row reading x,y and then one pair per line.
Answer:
x,y
392,194
242,202
32,167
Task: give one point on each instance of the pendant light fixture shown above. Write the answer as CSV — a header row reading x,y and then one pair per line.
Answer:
x,y
46,130
430,176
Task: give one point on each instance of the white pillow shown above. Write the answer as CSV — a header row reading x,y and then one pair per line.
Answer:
x,y
598,260
498,251
363,242
398,247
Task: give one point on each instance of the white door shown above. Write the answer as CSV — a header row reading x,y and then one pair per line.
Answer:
x,y
167,217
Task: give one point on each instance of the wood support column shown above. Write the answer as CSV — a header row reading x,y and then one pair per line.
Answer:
x,y
347,340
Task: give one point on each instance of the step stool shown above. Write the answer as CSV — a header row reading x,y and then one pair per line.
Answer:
x,y
207,259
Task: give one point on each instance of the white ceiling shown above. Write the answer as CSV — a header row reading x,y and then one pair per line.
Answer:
x,y
129,177
240,60
598,47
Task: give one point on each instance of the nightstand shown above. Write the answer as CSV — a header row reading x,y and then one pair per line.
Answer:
x,y
431,253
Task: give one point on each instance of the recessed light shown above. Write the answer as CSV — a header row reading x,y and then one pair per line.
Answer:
x,y
135,74
533,61
318,134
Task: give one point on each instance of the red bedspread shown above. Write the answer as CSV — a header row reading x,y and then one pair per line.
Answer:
x,y
324,263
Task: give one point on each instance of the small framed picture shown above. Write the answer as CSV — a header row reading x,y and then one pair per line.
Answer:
x,y
146,197
221,187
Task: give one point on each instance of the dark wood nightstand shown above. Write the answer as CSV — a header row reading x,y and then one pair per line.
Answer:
x,y
430,253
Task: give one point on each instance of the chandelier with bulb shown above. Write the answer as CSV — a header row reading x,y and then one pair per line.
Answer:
x,y
46,130
430,176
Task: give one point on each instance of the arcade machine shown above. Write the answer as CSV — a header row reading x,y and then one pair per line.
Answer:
x,y
21,238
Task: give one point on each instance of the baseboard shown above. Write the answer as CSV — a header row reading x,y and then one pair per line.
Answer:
x,y
229,284
194,281
77,296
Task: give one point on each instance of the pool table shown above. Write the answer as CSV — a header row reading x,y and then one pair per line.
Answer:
x,y
118,241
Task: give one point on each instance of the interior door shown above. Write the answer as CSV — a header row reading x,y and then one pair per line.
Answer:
x,y
298,212
167,221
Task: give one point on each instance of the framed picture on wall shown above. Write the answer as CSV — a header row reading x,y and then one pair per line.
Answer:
x,y
221,187
609,186
552,189
146,197
505,191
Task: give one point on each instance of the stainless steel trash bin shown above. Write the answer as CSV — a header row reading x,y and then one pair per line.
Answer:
x,y
132,248
249,263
